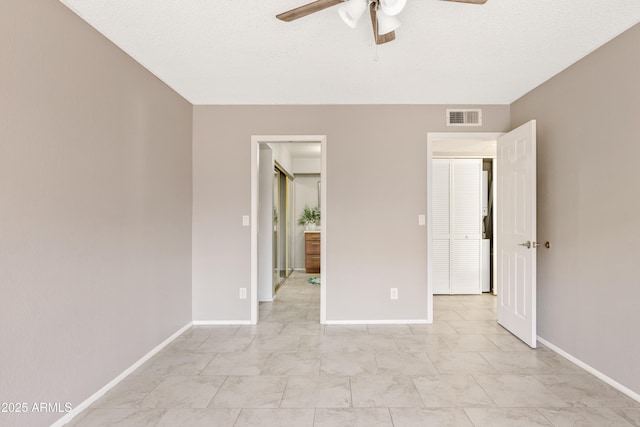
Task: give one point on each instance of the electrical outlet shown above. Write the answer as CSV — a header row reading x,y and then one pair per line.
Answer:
x,y
243,293
394,293
245,220
422,219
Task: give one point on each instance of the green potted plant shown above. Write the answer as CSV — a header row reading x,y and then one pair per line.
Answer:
x,y
310,217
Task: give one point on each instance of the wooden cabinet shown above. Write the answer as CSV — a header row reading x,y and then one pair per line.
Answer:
x,y
312,251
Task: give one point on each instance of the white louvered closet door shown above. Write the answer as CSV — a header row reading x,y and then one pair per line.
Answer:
x,y
466,184
441,212
456,226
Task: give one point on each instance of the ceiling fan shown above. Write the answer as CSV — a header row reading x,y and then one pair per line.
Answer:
x,y
383,14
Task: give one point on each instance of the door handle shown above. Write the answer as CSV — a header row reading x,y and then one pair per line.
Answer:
x,y
546,245
530,245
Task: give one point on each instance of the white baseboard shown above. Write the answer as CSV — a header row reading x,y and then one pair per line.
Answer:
x,y
220,322
98,394
378,322
613,383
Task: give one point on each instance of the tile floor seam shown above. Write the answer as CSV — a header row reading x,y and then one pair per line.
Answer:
x,y
217,391
433,363
473,377
284,390
569,404
551,423
350,393
466,414
452,327
490,364
424,403
389,413
235,421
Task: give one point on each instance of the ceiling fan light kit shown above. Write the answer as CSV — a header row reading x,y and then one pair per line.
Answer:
x,y
383,14
386,10
386,23
351,11
392,7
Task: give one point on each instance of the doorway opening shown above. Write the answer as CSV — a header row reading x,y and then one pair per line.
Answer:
x,y
514,225
274,214
460,221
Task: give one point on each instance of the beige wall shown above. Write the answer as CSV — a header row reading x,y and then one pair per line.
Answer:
x,y
376,187
95,209
588,204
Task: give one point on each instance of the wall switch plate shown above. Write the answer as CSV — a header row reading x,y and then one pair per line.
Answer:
x,y
422,219
245,220
394,293
243,293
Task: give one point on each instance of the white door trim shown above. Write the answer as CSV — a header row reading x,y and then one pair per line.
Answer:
x,y
443,137
255,140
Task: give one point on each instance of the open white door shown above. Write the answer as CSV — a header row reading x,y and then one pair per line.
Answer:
x,y
516,232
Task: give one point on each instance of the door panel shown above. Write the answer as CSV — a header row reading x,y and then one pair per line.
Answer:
x,y
440,270
465,266
466,226
441,226
516,232
466,190
440,198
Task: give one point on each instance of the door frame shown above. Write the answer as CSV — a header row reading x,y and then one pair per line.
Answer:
x,y
432,137
255,140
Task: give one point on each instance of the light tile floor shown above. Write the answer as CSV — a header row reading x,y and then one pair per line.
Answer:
x,y
462,370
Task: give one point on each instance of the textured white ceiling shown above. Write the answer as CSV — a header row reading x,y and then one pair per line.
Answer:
x,y
237,52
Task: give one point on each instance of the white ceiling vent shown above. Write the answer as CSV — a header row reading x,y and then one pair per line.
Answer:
x,y
464,117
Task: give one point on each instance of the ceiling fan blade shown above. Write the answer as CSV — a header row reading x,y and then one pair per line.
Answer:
x,y
307,9
470,1
380,39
